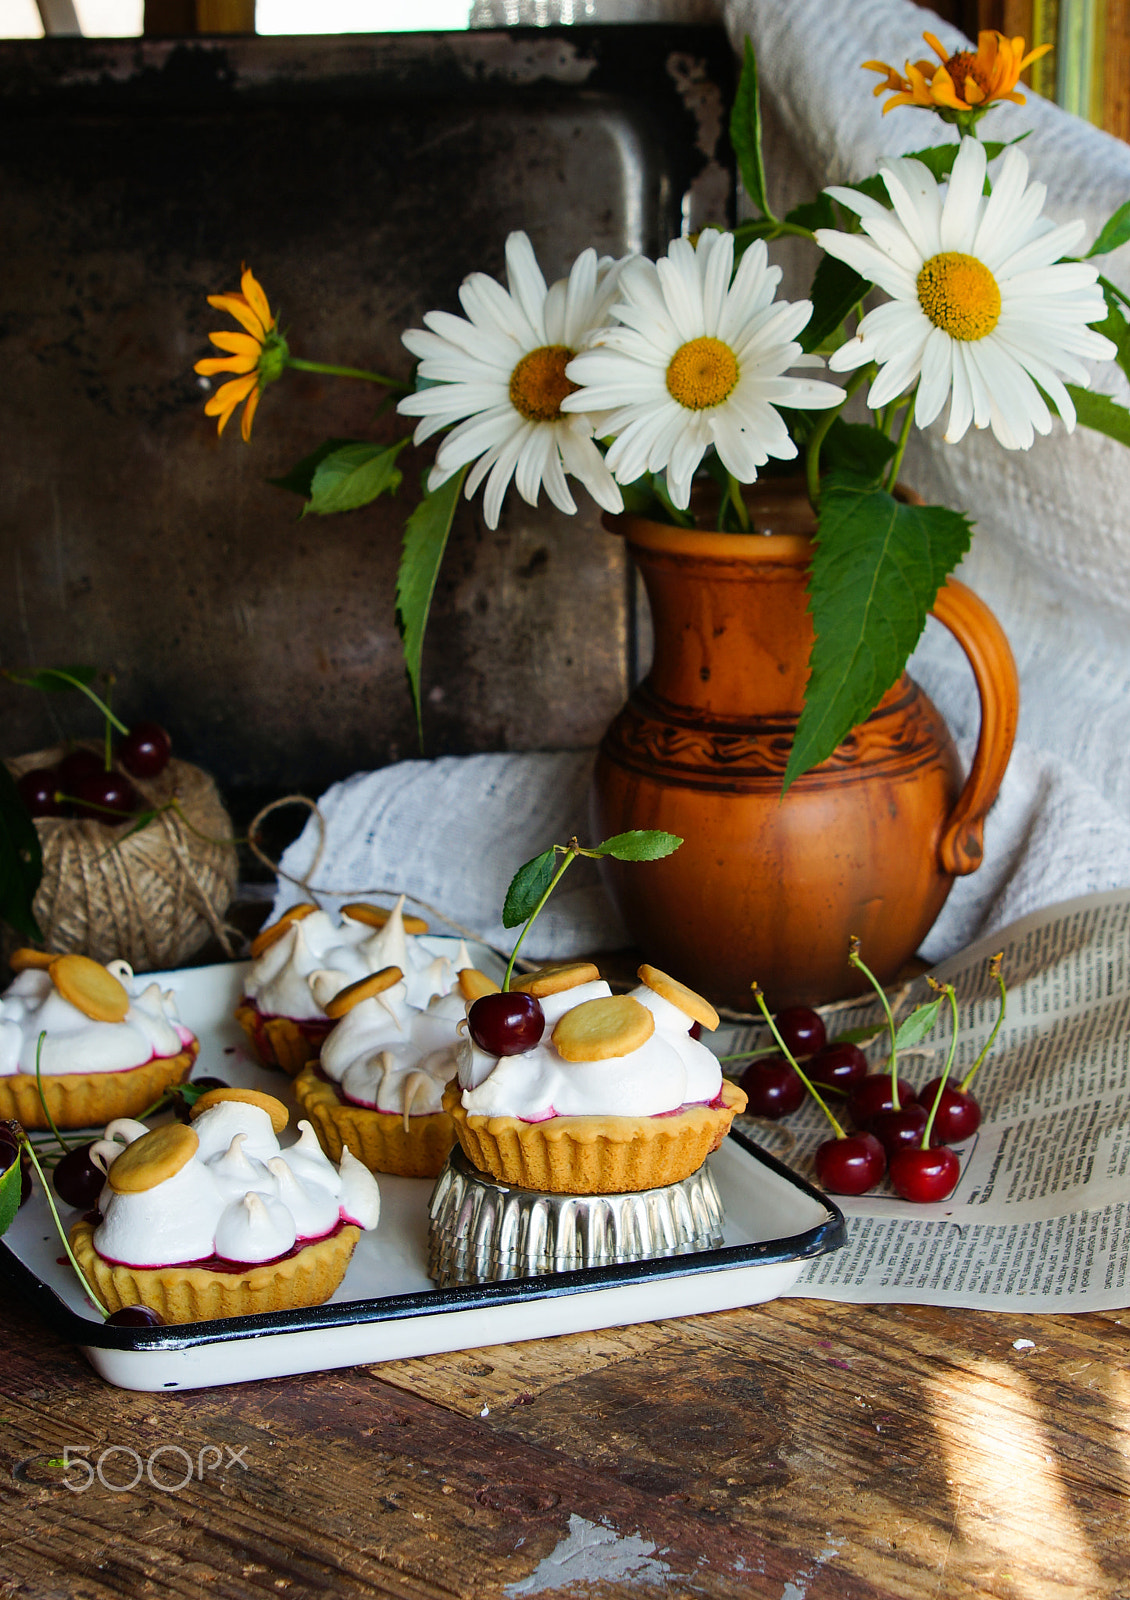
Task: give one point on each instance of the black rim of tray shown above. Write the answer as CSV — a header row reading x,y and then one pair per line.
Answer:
x,y
69,1324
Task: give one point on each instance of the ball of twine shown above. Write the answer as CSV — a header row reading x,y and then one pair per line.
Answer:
x,y
152,897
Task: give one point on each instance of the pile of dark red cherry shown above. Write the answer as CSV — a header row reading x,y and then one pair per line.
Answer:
x,y
82,785
889,1115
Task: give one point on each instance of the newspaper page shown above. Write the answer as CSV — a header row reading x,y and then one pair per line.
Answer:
x,y
1040,1218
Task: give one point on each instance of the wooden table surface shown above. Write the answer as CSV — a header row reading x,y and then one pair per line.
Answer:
x,y
794,1450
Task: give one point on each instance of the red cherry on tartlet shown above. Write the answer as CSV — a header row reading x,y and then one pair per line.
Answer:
x,y
850,1165
772,1087
838,1066
38,788
925,1175
506,1024
802,1030
958,1116
145,750
873,1094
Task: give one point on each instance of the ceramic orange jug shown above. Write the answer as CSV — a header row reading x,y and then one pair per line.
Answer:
x,y
868,843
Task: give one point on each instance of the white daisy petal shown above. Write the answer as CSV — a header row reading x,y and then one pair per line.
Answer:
x,y
699,360
496,380
526,282
998,311
961,209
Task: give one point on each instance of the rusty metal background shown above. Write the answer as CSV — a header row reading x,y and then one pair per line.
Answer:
x,y
360,178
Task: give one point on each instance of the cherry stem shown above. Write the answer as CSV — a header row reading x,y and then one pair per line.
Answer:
x,y
572,851
76,683
42,1096
994,972
750,1055
811,1087
856,960
948,990
27,1144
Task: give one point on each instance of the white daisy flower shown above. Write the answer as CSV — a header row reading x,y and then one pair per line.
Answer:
x,y
501,377
698,361
981,305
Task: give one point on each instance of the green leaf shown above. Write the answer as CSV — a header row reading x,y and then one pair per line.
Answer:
x,y
920,1023
353,476
745,132
859,1035
55,680
1116,231
300,478
1114,325
877,568
836,288
813,214
640,844
856,447
1100,412
425,540
21,860
527,886
10,1184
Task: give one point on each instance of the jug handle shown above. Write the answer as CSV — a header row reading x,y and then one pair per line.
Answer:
x,y
981,636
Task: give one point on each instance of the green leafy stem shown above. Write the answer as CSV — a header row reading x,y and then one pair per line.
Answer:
x,y
535,880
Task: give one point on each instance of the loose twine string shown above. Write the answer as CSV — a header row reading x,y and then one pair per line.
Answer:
x,y
322,889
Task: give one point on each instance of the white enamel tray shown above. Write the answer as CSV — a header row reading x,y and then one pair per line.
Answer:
x,y
387,1308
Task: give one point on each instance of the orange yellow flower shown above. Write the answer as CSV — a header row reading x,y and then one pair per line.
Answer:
x,y
256,357
965,82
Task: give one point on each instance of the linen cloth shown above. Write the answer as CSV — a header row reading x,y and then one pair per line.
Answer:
x,y
1051,556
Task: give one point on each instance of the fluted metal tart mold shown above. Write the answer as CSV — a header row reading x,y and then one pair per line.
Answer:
x,y
484,1231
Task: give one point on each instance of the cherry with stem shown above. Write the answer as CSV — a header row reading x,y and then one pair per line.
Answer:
x,y
849,1163
923,1174
510,1023
856,960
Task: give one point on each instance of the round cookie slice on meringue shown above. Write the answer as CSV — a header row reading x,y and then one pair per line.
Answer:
x,y
308,956
380,1080
217,1220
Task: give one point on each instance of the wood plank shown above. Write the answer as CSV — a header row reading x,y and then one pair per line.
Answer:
x,y
842,1450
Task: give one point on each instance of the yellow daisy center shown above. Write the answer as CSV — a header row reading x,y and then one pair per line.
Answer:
x,y
702,373
538,383
959,295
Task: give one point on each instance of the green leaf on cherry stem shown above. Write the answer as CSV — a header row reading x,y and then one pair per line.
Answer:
x,y
300,478
55,680
876,570
640,844
919,1024
352,477
10,1184
425,540
21,860
527,886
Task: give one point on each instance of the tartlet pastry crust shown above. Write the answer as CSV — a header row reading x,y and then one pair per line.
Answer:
x,y
596,1154
377,1138
196,1294
92,1099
